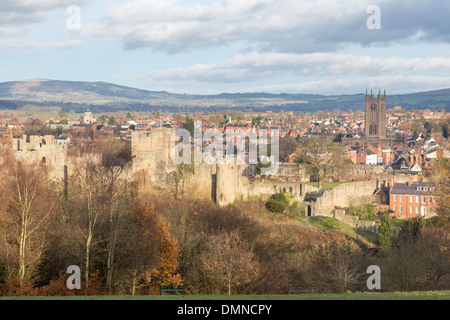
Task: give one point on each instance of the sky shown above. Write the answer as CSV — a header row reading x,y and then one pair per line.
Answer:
x,y
208,47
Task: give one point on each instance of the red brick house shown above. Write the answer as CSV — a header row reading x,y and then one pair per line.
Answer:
x,y
413,199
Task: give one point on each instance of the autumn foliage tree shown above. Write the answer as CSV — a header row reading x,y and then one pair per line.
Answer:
x,y
153,255
440,175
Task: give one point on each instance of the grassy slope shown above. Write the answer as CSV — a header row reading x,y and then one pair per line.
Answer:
x,y
366,238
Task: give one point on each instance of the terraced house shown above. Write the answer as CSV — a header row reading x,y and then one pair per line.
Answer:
x,y
413,199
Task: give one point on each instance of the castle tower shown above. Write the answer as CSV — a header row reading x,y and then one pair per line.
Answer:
x,y
226,182
375,117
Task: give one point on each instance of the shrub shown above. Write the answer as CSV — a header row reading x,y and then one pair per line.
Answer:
x,y
281,197
276,206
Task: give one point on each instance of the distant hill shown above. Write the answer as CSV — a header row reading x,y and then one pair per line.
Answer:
x,y
73,91
103,97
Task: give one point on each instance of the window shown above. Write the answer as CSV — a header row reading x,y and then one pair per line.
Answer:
x,y
410,209
395,198
401,198
417,210
395,208
401,208
424,199
419,188
417,199
425,189
430,200
411,199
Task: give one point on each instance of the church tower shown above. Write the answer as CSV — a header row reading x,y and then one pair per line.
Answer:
x,y
375,118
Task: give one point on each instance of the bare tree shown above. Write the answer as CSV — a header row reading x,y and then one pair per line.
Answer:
x,y
85,195
229,260
338,267
26,210
116,176
319,156
176,180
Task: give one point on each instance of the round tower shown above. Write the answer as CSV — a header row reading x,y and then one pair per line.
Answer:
x,y
226,182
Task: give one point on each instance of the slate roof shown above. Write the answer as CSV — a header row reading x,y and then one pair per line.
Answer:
x,y
413,189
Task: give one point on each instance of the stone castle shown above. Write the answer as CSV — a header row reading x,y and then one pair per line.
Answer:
x,y
222,183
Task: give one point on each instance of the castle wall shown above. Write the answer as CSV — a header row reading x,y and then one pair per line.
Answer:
x,y
151,149
342,196
201,184
43,150
355,221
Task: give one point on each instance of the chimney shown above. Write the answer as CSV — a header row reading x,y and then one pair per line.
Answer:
x,y
420,178
411,180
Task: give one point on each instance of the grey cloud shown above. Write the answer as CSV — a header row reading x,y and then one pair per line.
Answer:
x,y
22,12
276,25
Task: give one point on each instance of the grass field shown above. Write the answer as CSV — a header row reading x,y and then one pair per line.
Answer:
x,y
427,295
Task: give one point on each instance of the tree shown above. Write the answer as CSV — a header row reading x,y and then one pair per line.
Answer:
x,y
319,156
385,234
229,260
416,258
116,176
176,180
288,146
190,125
440,175
259,166
86,198
153,255
26,210
339,267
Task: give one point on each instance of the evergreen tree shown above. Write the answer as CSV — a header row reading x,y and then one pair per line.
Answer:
x,y
190,126
385,234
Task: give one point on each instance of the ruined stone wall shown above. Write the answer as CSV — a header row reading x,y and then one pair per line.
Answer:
x,y
264,189
151,149
201,183
353,221
42,150
342,196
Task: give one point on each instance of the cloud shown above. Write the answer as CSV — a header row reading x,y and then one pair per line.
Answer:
x,y
393,85
273,25
257,66
22,12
